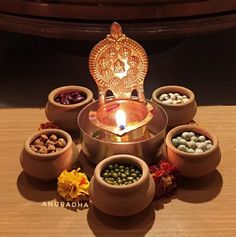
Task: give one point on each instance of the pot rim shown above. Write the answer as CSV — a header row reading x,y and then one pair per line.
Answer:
x,y
122,158
174,89
195,128
50,156
59,90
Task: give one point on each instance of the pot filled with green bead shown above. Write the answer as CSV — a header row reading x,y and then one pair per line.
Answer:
x,y
121,185
178,102
194,150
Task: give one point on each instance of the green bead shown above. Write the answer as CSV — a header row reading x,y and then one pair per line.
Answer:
x,y
123,175
110,167
133,175
105,175
114,175
116,166
121,167
130,178
132,170
137,172
127,173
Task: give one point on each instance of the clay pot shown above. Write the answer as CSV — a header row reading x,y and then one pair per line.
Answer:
x,y
193,165
178,114
65,116
48,166
122,200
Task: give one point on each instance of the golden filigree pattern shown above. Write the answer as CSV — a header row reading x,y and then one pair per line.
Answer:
x,y
119,64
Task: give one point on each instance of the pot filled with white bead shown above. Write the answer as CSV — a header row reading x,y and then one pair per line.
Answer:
x,y
178,102
194,150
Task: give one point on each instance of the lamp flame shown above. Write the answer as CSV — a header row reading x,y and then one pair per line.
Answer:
x,y
120,117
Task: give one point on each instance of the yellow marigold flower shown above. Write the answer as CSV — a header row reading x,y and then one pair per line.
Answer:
x,y
72,185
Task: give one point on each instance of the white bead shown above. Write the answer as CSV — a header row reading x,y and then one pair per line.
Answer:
x,y
192,144
190,150
179,138
178,101
172,96
175,142
185,100
163,97
208,142
201,138
183,142
202,146
169,101
194,138
208,147
182,148
185,135
198,150
191,134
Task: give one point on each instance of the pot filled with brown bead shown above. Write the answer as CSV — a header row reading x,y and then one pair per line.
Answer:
x,y
194,150
121,185
65,103
178,102
47,153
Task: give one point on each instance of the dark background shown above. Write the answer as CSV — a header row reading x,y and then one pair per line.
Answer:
x,y
30,67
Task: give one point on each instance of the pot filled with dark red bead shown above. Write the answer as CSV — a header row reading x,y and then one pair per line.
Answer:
x,y
65,103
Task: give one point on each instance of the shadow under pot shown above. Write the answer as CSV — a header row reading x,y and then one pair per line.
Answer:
x,y
65,103
193,159
48,164
121,198
178,102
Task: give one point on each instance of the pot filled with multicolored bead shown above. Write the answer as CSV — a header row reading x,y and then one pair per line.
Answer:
x,y
194,150
178,102
65,103
121,185
47,153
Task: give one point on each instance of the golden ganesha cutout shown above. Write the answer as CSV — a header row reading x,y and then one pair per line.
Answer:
x,y
119,64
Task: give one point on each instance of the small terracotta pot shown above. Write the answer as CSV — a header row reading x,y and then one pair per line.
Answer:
x,y
191,164
65,116
122,200
48,166
178,114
